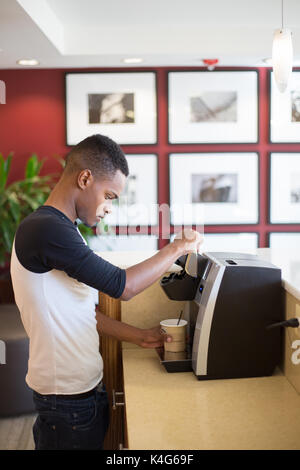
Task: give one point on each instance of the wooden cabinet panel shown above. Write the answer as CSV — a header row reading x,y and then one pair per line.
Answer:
x,y
110,350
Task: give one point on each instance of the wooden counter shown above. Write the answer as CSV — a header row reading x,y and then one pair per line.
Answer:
x,y
176,411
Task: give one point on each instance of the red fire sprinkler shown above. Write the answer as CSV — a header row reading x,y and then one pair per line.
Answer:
x,y
211,63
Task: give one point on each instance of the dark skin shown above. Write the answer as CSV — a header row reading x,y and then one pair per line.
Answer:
x,y
81,195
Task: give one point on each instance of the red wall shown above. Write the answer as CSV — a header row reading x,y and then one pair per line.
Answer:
x,y
33,120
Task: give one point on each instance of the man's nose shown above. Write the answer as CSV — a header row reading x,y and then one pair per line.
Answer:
x,y
108,209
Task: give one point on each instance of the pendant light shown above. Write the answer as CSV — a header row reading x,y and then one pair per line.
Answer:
x,y
282,55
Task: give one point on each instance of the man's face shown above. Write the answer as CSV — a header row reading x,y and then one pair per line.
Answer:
x,y
97,195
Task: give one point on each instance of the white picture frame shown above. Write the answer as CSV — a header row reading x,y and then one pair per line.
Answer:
x,y
243,242
213,107
284,195
284,248
197,194
121,105
285,110
138,204
284,241
139,242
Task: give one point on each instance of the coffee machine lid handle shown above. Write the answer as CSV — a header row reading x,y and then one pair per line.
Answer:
x,y
191,264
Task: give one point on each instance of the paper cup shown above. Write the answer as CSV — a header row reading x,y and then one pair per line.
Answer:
x,y
178,333
174,356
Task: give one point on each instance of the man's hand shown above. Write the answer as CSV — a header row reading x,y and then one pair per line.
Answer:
x,y
189,241
153,338
146,338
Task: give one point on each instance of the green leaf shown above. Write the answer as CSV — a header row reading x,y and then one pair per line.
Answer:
x,y
8,232
20,198
36,180
29,169
85,231
32,170
39,166
32,166
33,204
4,170
14,207
2,173
7,164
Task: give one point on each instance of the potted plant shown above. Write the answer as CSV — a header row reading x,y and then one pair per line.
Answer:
x,y
19,199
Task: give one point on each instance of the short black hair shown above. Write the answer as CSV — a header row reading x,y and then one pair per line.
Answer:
x,y
98,153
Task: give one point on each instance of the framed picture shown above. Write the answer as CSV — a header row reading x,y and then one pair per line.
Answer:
x,y
138,204
284,188
284,241
123,243
121,105
284,253
214,188
245,242
213,107
285,110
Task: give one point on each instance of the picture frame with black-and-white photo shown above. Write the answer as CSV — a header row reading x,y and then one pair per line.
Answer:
x,y
284,188
284,126
138,203
213,107
214,188
121,105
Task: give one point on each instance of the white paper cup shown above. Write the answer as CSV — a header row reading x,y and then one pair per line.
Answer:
x,y
178,333
174,356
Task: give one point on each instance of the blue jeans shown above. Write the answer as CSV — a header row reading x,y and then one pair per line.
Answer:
x,y
71,424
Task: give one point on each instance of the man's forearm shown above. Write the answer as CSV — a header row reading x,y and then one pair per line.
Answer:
x,y
121,331
142,275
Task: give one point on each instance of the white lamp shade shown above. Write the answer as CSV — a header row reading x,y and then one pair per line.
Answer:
x,y
282,57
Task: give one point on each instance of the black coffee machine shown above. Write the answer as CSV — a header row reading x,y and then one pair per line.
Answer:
x,y
231,299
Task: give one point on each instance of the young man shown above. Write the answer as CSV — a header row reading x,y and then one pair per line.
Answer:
x,y
52,271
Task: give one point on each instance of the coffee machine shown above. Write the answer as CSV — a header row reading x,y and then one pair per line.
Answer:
x,y
231,299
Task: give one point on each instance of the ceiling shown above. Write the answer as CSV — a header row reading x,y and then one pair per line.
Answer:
x,y
98,33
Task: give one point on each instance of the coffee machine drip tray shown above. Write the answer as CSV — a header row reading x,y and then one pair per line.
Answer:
x,y
176,361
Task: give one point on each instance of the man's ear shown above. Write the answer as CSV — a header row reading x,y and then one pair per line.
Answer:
x,y
84,179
